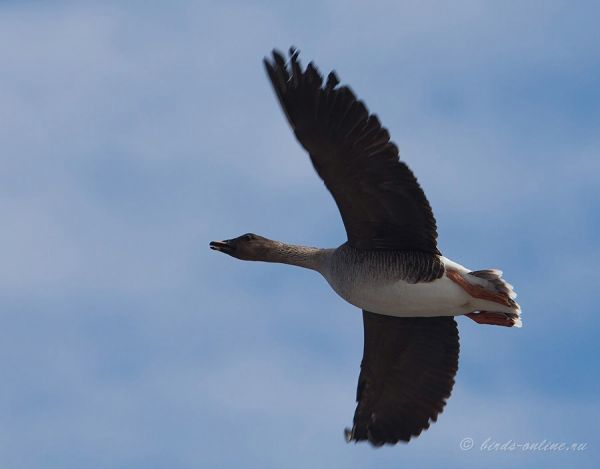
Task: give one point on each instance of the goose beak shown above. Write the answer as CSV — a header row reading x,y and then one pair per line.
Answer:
x,y
223,246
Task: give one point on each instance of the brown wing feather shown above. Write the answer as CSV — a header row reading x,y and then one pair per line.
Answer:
x,y
407,373
380,201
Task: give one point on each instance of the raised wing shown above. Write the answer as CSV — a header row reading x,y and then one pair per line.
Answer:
x,y
381,202
407,373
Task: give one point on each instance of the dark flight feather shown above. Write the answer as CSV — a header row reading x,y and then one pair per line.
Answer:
x,y
407,373
381,203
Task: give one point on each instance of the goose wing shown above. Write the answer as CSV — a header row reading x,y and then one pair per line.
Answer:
x,y
380,201
407,373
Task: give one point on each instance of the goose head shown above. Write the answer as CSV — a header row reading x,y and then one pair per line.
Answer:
x,y
248,247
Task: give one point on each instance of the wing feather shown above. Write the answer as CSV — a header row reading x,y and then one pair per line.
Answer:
x,y
407,373
381,203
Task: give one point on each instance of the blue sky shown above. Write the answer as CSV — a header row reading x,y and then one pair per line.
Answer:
x,y
134,133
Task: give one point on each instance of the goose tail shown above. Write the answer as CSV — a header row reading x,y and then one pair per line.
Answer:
x,y
491,280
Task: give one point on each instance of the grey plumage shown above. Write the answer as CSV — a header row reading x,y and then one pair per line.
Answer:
x,y
385,266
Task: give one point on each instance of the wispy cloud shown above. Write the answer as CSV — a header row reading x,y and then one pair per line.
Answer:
x,y
134,134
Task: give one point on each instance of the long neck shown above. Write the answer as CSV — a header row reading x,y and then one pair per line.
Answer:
x,y
302,256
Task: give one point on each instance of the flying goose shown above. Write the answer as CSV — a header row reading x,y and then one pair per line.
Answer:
x,y
390,266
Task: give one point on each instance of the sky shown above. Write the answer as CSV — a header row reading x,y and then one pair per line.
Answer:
x,y
133,133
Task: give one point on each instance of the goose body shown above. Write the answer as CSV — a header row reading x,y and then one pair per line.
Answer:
x,y
382,292
383,284
390,266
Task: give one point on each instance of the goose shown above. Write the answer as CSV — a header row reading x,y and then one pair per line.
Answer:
x,y
390,266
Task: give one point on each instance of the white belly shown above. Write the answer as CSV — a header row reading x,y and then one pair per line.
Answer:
x,y
442,297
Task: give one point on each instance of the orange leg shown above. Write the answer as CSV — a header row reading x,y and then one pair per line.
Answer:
x,y
487,317
477,291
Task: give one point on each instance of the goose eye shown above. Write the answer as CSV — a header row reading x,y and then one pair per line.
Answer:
x,y
248,237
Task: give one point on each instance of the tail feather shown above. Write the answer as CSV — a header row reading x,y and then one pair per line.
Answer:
x,y
493,298
495,282
499,285
488,274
